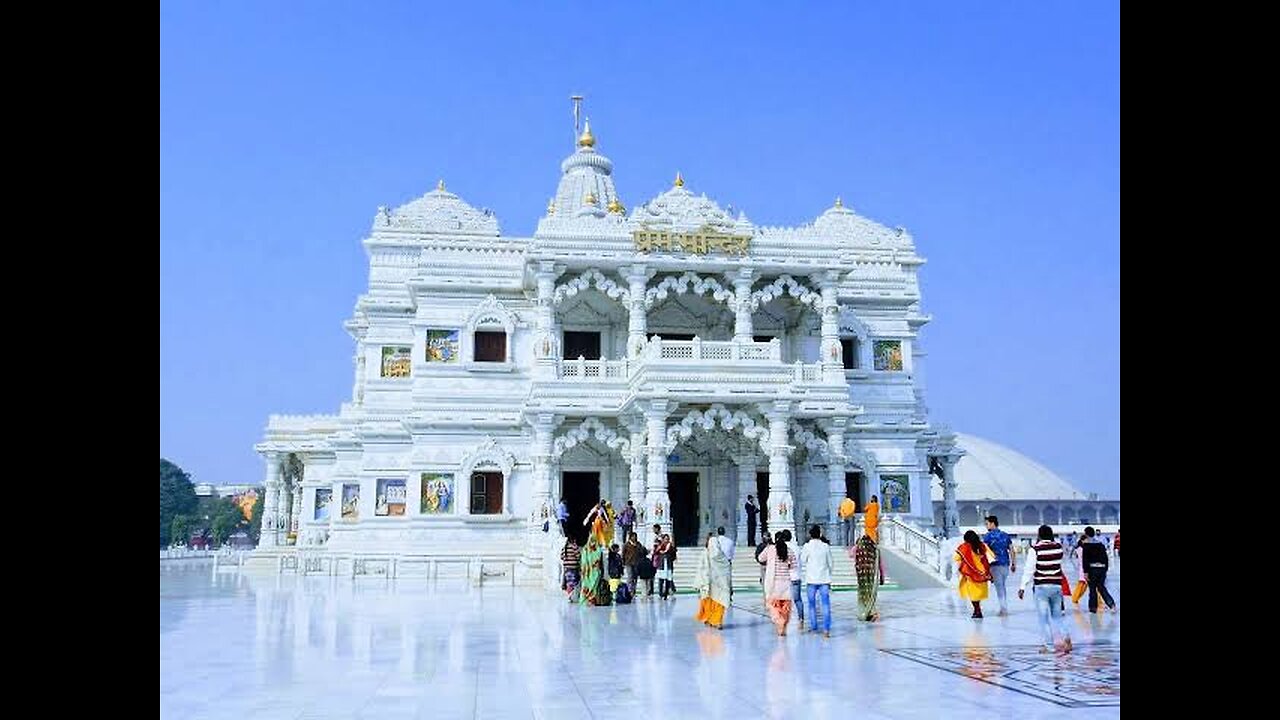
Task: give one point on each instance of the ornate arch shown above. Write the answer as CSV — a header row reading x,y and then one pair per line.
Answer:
x,y
811,441
857,456
681,284
491,313
851,323
788,285
717,415
591,277
592,427
488,455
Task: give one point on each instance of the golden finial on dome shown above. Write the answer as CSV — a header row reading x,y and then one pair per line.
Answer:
x,y
440,185
551,206
615,206
679,179
590,199
839,202
586,139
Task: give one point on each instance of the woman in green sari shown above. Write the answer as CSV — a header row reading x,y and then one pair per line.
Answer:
x,y
594,588
866,562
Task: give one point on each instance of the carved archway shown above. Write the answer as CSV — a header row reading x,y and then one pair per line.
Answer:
x,y
589,428
718,415
688,282
593,277
786,285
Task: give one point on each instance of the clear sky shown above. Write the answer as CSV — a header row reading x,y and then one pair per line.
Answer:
x,y
990,130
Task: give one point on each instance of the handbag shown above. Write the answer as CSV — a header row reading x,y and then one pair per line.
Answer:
x,y
1066,586
1081,586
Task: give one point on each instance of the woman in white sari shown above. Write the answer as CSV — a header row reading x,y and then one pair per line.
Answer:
x,y
713,584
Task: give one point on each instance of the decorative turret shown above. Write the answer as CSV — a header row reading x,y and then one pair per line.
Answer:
x,y
585,173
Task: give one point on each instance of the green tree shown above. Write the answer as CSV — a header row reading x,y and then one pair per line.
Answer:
x,y
226,517
255,519
177,497
180,528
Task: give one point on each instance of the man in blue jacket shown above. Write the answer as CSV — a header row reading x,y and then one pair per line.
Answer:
x,y
1000,541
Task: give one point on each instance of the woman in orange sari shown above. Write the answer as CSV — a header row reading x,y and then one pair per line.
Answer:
x,y
975,559
713,584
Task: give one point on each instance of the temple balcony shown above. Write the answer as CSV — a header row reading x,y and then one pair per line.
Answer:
x,y
694,370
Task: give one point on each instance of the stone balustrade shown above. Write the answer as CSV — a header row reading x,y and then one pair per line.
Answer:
x,y
675,352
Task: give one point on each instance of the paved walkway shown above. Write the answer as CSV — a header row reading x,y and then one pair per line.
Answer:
x,y
236,646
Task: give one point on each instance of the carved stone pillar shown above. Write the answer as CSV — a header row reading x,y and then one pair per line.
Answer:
x,y
268,537
832,357
357,390
637,466
542,505
742,280
950,511
657,503
781,506
835,474
746,486
546,346
295,510
637,277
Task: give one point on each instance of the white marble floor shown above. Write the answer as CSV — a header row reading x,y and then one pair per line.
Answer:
x,y
237,646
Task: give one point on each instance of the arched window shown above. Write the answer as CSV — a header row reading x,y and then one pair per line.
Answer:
x,y
487,469
489,333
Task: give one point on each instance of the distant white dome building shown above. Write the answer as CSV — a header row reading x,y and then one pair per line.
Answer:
x,y
992,479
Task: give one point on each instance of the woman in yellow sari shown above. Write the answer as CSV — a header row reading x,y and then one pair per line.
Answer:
x,y
974,558
713,584
601,520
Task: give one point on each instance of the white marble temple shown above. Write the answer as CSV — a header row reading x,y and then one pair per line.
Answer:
x,y
236,645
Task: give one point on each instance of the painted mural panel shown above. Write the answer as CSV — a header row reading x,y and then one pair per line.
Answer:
x,y
888,354
895,493
351,502
437,493
390,498
442,346
396,361
324,498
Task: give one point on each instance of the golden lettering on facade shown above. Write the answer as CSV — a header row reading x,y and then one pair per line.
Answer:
x,y
700,242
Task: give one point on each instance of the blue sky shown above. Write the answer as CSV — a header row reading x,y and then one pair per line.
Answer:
x,y
990,131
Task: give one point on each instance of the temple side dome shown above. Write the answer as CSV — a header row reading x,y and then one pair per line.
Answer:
x,y
990,471
679,209
843,224
440,211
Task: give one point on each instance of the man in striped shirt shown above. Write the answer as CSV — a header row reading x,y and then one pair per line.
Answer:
x,y
1043,569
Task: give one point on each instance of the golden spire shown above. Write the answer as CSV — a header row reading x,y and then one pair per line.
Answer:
x,y
679,179
586,139
615,206
839,202
590,199
440,185
551,206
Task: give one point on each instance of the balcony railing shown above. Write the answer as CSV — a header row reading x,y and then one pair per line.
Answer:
x,y
582,369
724,350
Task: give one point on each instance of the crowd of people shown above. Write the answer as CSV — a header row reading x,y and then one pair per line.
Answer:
x,y
602,572
989,560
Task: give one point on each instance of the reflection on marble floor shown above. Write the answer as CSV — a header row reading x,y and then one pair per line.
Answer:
x,y
1089,677
233,646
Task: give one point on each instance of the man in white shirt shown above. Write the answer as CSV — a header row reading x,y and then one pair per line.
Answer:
x,y
818,566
